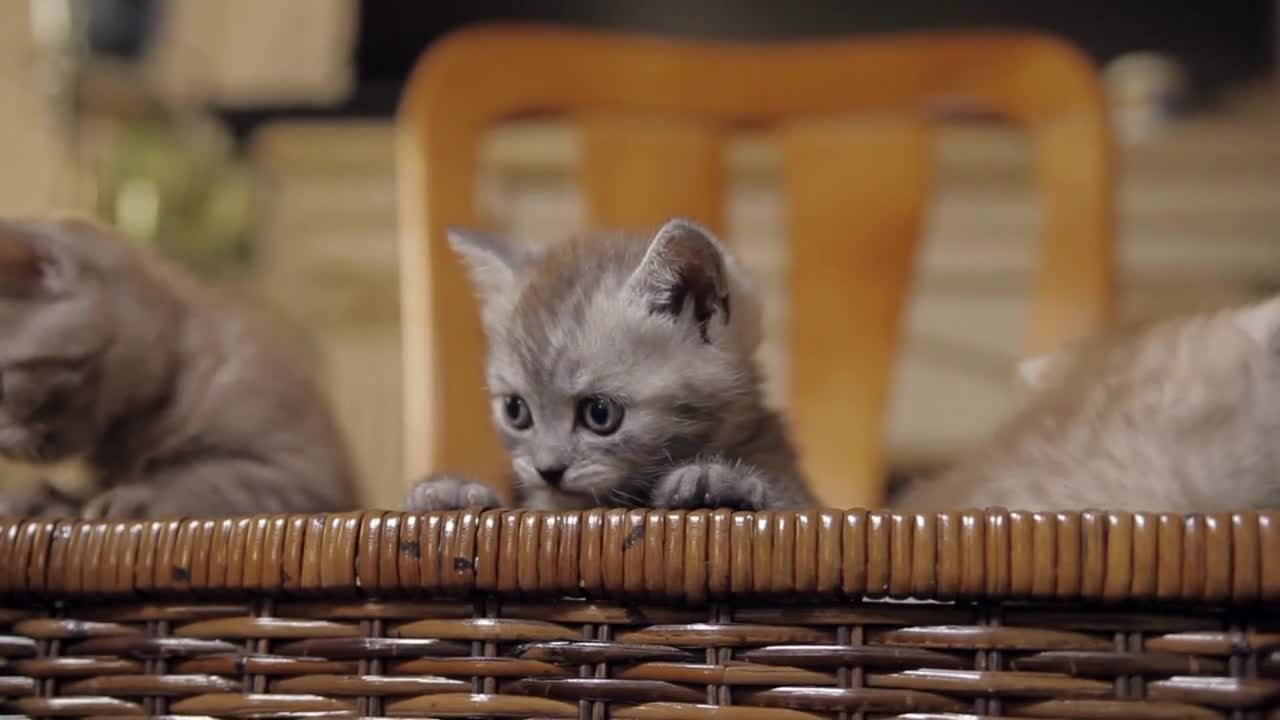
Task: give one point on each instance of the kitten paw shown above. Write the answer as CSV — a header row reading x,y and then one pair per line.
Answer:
x,y
711,484
133,500
450,492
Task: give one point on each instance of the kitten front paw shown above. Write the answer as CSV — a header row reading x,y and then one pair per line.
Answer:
x,y
711,484
450,492
132,500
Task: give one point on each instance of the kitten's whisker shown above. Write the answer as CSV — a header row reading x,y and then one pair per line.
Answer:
x,y
626,497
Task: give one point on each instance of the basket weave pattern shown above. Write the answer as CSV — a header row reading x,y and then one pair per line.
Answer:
x,y
645,614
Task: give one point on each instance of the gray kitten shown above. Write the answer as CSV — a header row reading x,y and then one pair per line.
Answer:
x,y
175,403
1176,415
621,374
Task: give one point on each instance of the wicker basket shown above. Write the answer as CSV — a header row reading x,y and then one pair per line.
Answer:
x,y
646,614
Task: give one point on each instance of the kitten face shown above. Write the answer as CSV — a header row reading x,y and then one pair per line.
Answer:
x,y
611,358
54,330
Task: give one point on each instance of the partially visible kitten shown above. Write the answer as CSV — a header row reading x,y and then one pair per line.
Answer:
x,y
621,373
177,404
1178,415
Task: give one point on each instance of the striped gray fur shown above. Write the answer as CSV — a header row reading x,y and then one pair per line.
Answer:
x,y
178,404
1176,414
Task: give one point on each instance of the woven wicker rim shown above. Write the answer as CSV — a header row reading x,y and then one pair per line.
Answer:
x,y
688,556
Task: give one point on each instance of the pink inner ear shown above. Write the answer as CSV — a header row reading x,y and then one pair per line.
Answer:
x,y
19,264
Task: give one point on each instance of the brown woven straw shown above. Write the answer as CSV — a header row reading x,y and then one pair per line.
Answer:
x,y
645,614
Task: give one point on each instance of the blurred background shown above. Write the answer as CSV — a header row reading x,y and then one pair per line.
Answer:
x,y
252,141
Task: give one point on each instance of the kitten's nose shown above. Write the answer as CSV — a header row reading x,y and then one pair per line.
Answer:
x,y
552,475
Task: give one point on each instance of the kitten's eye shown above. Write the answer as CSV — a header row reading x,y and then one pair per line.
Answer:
x,y
601,415
517,412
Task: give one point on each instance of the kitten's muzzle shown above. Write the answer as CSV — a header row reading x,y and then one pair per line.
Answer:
x,y
552,475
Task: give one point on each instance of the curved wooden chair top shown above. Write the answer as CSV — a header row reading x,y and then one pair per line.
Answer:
x,y
852,118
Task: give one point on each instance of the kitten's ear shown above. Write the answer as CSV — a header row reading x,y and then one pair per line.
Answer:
x,y
1037,373
1032,372
687,274
494,263
21,270
1261,321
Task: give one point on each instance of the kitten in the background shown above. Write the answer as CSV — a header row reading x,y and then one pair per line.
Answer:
x,y
176,404
621,373
1177,415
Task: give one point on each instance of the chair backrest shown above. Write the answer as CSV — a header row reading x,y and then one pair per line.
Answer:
x,y
852,118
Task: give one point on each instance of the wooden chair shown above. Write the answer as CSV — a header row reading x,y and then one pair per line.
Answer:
x,y
853,121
